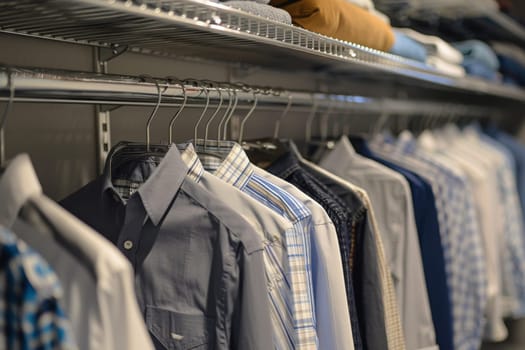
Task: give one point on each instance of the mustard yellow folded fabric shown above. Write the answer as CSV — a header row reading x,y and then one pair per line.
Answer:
x,y
339,19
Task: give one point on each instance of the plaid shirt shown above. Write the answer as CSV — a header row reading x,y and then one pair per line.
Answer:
x,y
31,316
234,167
462,245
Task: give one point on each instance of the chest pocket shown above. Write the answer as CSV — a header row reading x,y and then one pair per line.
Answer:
x,y
178,331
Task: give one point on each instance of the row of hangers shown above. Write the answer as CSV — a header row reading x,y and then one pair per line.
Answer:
x,y
261,149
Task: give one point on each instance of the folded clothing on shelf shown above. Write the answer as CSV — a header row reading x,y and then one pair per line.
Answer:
x,y
340,19
478,69
476,50
509,50
369,6
511,61
435,46
261,10
479,59
408,48
512,69
443,66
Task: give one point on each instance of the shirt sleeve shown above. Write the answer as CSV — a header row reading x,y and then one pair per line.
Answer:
x,y
251,324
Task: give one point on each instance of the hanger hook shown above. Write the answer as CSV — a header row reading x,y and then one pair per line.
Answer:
x,y
234,107
325,117
245,119
383,118
277,128
7,110
207,93
11,87
153,114
219,126
310,120
212,116
179,111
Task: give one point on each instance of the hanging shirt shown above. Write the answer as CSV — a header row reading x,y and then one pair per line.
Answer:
x,y
274,231
518,152
424,205
394,332
514,252
199,272
371,313
484,184
234,167
97,280
31,313
333,321
462,246
391,200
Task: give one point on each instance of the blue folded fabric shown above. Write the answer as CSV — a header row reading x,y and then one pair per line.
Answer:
x,y
478,69
408,48
476,50
512,69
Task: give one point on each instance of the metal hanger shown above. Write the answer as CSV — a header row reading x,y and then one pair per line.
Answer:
x,y
277,127
153,114
212,117
207,93
248,115
226,112
179,112
126,151
5,114
310,120
230,115
324,117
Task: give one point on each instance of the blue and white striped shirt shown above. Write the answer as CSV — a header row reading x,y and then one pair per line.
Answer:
x,y
236,169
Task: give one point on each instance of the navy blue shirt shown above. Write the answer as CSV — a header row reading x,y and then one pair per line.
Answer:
x,y
425,213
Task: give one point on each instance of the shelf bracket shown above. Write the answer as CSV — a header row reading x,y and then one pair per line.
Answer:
x,y
106,54
102,55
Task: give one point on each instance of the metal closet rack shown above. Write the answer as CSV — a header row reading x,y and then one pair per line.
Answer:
x,y
31,85
211,31
26,85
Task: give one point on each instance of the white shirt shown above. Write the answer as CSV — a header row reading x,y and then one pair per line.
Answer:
x,y
391,201
98,282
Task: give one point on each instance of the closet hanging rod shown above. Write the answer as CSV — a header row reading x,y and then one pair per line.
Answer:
x,y
52,86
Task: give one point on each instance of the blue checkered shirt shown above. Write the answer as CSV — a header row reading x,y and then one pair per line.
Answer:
x,y
31,317
234,167
461,239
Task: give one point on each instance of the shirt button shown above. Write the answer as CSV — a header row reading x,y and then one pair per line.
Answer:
x,y
128,245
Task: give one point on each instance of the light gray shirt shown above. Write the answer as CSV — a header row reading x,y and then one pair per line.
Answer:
x,y
390,198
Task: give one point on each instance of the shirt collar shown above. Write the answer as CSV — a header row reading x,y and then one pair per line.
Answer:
x,y
158,191
235,167
192,161
347,146
18,184
286,165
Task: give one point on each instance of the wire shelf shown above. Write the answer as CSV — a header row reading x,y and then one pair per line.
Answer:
x,y
202,29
